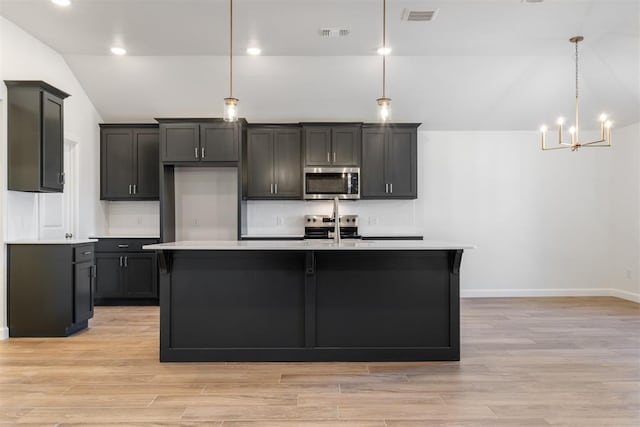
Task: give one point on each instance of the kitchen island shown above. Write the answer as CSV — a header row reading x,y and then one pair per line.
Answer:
x,y
309,300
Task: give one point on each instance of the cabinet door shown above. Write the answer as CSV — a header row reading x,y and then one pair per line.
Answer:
x,y
180,142
83,292
141,279
116,164
52,143
373,172
109,275
219,142
345,146
260,173
317,146
147,164
288,162
402,164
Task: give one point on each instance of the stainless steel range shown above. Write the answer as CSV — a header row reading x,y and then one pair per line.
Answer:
x,y
319,227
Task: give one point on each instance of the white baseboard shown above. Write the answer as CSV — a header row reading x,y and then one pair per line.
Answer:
x,y
4,333
630,296
576,292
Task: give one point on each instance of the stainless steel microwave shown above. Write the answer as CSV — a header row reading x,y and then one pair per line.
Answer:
x,y
329,182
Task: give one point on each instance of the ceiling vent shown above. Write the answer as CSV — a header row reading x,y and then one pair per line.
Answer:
x,y
419,15
330,33
531,1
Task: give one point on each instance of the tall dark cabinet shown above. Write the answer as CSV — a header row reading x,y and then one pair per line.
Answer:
x,y
274,158
332,144
129,162
35,136
55,298
389,161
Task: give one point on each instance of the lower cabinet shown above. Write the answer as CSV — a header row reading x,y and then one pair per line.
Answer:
x,y
125,274
54,299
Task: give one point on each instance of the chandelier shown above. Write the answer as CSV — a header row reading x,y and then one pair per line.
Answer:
x,y
605,123
230,103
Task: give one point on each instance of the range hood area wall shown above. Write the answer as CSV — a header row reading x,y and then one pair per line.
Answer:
x,y
206,203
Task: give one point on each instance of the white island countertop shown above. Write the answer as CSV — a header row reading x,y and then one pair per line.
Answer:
x,y
307,245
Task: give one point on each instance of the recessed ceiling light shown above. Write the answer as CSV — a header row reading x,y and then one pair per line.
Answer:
x,y
384,50
62,2
118,51
254,51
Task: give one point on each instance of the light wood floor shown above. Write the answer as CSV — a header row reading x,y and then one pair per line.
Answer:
x,y
525,362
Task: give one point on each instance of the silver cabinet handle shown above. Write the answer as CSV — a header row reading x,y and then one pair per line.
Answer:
x,y
391,188
276,187
202,152
135,188
386,188
87,253
334,157
130,189
126,261
123,246
271,188
120,261
328,157
196,152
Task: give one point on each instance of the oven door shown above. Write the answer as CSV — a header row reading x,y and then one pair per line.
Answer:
x,y
328,183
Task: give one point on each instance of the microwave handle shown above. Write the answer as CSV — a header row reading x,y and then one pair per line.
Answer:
x,y
349,186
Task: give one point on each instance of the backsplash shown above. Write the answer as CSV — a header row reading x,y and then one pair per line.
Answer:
x,y
377,217
132,218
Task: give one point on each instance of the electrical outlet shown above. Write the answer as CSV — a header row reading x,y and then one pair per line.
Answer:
x,y
373,220
278,220
628,274
195,222
139,220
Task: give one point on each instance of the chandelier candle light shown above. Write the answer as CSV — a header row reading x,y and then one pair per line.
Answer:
x,y
605,124
384,103
230,103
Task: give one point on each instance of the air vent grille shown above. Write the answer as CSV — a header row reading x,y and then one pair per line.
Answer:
x,y
334,32
419,15
532,1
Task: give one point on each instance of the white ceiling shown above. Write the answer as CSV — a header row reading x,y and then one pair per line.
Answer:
x,y
497,64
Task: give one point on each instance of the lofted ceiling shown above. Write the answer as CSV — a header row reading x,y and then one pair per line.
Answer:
x,y
499,64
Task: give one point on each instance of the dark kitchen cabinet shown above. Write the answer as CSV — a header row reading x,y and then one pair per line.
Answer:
x,y
389,161
332,144
54,299
129,162
35,136
274,158
215,141
125,272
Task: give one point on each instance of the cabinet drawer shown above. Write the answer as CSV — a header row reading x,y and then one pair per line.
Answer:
x,y
83,253
123,245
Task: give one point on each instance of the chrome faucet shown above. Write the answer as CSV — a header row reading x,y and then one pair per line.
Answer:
x,y
336,219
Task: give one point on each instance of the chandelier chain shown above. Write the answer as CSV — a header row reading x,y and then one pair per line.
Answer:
x,y
384,46
230,48
576,69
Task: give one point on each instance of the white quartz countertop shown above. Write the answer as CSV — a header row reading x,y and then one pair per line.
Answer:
x,y
122,236
51,242
315,245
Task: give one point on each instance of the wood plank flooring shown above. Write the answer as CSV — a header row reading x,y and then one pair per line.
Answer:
x,y
525,362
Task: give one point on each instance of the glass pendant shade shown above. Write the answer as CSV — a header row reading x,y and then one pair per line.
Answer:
x,y
384,108
230,109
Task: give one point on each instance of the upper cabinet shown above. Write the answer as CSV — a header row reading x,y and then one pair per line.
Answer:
x,y
332,144
129,162
211,141
274,159
389,161
35,136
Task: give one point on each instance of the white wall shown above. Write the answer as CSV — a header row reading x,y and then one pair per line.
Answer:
x,y
545,223
625,213
25,58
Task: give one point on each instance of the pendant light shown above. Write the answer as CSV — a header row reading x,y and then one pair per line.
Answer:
x,y
605,123
384,103
230,103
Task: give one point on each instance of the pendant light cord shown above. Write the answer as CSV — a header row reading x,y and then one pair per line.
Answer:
x,y
230,48
384,46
